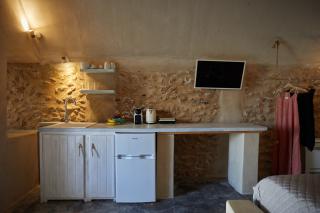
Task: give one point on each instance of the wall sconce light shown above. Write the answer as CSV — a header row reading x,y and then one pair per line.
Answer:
x,y
65,59
276,45
35,34
26,27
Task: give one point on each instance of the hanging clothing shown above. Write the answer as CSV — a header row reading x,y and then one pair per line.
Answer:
x,y
286,152
307,129
296,154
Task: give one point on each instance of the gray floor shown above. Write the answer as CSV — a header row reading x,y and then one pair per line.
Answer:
x,y
203,198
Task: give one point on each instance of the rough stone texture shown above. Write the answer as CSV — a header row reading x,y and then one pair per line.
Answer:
x,y
197,158
172,94
261,87
200,158
36,93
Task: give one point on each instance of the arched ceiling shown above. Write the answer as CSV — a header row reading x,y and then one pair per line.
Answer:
x,y
237,29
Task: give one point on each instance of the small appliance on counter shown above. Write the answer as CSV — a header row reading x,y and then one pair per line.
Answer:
x,y
167,120
137,116
151,116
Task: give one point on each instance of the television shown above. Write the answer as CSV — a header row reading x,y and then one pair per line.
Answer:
x,y
219,74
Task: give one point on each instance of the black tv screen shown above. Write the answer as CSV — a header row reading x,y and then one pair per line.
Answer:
x,y
214,74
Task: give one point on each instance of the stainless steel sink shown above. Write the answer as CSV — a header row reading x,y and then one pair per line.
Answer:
x,y
73,125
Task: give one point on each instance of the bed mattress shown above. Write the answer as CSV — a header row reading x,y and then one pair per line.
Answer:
x,y
288,193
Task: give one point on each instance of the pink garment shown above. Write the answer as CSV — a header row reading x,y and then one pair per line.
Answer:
x,y
296,154
286,152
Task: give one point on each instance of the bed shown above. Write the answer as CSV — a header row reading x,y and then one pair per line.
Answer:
x,y
288,193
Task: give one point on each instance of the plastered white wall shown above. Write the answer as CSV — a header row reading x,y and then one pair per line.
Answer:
x,y
229,29
19,155
3,118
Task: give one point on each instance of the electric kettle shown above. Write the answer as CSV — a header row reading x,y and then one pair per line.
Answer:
x,y
151,116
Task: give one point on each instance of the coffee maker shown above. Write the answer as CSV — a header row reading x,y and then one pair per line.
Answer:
x,y
137,116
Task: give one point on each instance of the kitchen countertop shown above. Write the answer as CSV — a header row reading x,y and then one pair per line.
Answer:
x,y
16,133
175,128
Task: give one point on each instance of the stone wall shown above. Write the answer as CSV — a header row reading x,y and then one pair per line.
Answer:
x,y
36,93
261,86
171,93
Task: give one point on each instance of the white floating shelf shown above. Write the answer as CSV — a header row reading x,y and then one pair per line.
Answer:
x,y
97,92
95,70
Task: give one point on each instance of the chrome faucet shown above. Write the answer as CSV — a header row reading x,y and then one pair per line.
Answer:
x,y
66,113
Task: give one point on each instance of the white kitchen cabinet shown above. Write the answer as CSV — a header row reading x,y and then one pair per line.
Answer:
x,y
100,167
62,166
76,166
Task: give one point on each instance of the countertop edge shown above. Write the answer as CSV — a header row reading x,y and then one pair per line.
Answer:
x,y
165,129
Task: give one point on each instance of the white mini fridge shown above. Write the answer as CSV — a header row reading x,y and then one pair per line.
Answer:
x,y
135,159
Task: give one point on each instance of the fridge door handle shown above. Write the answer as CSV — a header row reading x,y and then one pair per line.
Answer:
x,y
142,156
146,156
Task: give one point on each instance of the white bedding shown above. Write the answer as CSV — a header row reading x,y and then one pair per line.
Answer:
x,y
288,193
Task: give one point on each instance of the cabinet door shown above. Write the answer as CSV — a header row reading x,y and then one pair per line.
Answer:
x,y
100,166
62,167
